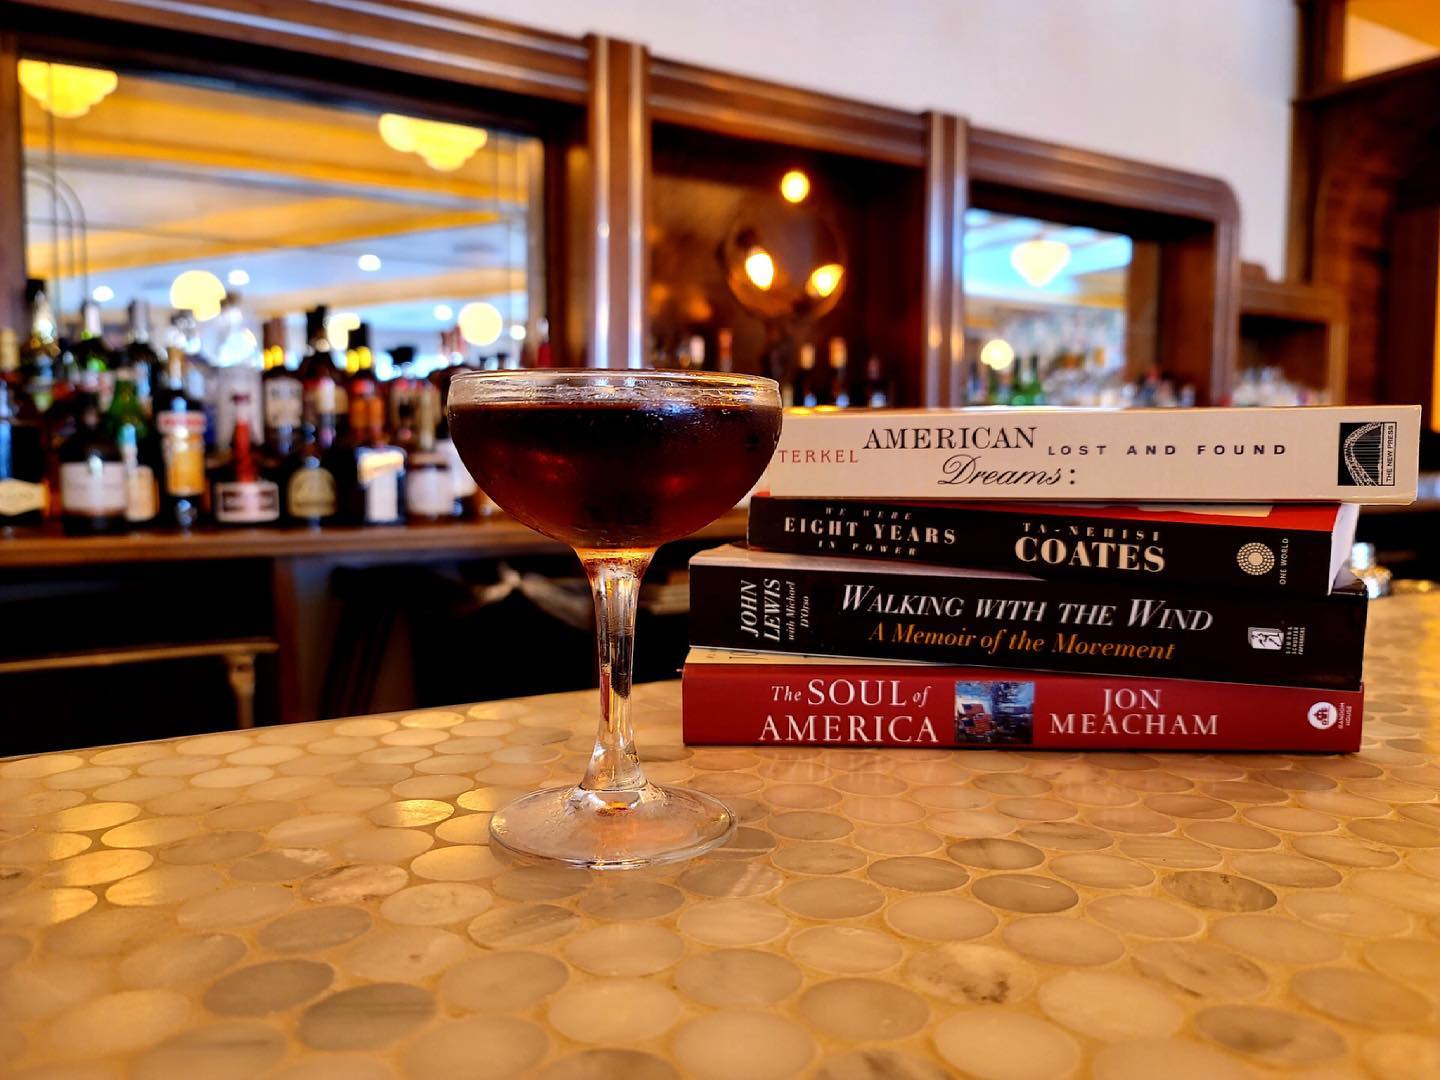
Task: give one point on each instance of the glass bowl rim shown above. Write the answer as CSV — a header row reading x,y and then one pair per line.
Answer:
x,y
719,383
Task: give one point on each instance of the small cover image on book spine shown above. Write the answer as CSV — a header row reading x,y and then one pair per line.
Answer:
x,y
767,601
767,700
1296,548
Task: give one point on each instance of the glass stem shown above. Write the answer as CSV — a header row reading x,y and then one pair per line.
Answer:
x,y
615,583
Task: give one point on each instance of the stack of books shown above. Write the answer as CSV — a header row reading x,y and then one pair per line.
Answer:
x,y
1080,579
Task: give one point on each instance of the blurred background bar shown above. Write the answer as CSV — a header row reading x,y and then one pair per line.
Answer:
x,y
245,247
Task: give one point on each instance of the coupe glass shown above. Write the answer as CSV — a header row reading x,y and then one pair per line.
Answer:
x,y
614,463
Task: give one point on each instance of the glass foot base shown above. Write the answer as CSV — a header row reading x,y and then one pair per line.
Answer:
x,y
612,830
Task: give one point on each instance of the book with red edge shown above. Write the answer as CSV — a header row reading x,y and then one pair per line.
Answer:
x,y
766,699
1296,548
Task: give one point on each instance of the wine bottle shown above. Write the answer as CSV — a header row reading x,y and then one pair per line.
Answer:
x,y
369,472
429,488
877,392
281,391
180,421
24,493
93,495
125,422
806,388
241,496
41,355
142,358
839,395
306,483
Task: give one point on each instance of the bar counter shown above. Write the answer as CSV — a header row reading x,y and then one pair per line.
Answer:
x,y
317,900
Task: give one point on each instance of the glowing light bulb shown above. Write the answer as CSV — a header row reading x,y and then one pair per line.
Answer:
x,y
481,324
1039,262
760,268
997,354
443,312
198,292
444,147
517,332
824,280
368,262
102,294
64,91
794,186
238,277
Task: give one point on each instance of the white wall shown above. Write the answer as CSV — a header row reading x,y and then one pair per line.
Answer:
x,y
1202,85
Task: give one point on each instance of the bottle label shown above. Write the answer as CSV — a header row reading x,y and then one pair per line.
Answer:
x,y
93,488
230,382
250,503
21,497
284,401
429,493
460,478
322,395
311,494
141,499
379,472
182,436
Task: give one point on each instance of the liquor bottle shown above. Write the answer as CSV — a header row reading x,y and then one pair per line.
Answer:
x,y
1028,390
839,395
240,495
317,372
470,501
429,486
360,364
693,359
877,390
369,472
237,376
281,391
544,351
41,354
24,493
999,390
180,421
126,424
93,494
307,486
725,349
142,358
806,383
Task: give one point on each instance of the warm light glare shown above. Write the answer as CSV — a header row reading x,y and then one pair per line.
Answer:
x,y
368,262
198,292
997,354
66,92
481,324
444,147
339,326
517,332
824,280
102,294
443,312
238,277
794,186
760,268
1040,261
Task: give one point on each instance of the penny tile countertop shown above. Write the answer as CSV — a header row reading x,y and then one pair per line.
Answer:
x,y
319,901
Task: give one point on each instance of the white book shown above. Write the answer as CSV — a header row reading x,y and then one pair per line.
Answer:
x,y
1359,454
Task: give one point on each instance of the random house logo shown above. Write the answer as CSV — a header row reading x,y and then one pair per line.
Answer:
x,y
1367,454
1323,715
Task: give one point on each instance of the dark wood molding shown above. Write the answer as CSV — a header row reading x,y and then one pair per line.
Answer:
x,y
619,171
1320,41
12,193
435,43
946,197
755,109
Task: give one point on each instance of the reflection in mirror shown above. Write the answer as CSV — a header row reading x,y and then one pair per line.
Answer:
x,y
421,239
1048,317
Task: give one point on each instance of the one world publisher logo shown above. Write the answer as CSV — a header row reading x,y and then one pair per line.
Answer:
x,y
1367,454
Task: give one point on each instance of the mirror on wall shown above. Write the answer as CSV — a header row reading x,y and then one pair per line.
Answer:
x,y
421,238
1049,316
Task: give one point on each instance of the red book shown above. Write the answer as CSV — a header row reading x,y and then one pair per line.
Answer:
x,y
772,700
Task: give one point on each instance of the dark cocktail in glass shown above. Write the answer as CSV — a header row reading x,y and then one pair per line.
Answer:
x,y
614,463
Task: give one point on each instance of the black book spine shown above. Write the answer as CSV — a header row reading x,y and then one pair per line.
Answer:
x,y
1075,547
1028,623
